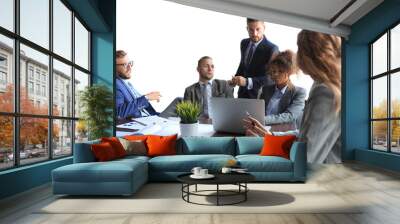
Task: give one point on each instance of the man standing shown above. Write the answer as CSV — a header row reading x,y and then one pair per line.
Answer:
x,y
129,102
207,87
256,53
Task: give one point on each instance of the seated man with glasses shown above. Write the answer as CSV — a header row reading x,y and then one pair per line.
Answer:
x,y
129,102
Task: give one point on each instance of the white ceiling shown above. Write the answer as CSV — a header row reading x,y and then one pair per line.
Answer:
x,y
305,14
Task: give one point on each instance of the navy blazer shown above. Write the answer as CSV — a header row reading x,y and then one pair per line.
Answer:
x,y
257,68
127,105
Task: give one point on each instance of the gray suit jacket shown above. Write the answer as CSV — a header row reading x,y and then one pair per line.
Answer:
x,y
290,106
220,88
320,127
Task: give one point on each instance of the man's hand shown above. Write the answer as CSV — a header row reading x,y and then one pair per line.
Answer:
x,y
239,80
232,82
153,96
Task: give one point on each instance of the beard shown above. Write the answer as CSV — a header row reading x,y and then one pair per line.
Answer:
x,y
207,77
123,76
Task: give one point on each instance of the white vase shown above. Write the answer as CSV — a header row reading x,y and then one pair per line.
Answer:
x,y
188,130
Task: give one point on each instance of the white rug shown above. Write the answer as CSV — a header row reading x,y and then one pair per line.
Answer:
x,y
166,198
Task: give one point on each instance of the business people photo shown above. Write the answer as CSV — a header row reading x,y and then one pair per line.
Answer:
x,y
207,87
129,102
284,102
256,53
319,55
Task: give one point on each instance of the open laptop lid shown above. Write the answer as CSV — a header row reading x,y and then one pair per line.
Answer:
x,y
228,113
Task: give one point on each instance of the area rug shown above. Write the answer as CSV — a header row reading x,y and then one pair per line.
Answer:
x,y
167,198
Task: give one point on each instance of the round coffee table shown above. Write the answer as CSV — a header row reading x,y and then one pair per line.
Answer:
x,y
238,179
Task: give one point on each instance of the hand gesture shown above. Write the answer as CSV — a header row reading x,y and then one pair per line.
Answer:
x,y
153,96
239,80
254,127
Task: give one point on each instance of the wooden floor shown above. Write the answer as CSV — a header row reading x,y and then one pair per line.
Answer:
x,y
378,188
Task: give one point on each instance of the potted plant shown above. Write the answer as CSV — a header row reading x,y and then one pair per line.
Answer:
x,y
189,113
96,102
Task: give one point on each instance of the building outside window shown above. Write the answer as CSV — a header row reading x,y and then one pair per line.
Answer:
x,y
57,130
385,96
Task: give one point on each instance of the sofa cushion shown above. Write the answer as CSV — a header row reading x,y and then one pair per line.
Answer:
x,y
134,147
249,145
257,163
277,145
103,152
161,145
185,163
207,145
112,171
116,145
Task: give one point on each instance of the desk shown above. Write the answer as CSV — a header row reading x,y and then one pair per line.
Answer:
x,y
205,129
171,128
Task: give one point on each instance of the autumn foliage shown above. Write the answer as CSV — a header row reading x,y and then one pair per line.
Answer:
x,y
33,131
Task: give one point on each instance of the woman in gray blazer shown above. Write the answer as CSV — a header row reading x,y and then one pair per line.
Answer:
x,y
319,56
284,102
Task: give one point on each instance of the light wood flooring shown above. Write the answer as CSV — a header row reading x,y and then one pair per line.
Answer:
x,y
379,189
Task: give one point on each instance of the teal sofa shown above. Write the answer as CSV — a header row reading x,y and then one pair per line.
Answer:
x,y
125,176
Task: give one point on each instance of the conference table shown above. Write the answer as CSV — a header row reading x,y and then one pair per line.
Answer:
x,y
169,126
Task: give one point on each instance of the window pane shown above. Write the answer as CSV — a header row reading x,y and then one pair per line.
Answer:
x,y
33,139
379,135
81,81
379,55
395,138
6,74
34,72
62,89
62,141
7,14
81,131
6,142
62,29
81,45
379,98
395,95
395,47
35,21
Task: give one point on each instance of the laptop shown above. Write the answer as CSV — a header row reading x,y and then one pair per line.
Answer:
x,y
228,113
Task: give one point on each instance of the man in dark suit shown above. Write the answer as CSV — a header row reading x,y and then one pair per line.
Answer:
x,y
207,87
256,53
129,102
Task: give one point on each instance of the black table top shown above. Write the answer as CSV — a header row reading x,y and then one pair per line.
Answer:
x,y
220,178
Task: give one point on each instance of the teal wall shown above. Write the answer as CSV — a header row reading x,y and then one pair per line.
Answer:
x,y
355,123
99,16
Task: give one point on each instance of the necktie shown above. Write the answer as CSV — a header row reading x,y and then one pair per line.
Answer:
x,y
250,54
205,99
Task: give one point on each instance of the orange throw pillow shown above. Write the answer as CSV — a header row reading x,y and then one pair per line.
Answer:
x,y
277,145
136,137
161,145
116,145
103,152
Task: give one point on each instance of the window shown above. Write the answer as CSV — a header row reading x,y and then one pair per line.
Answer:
x,y
6,89
30,72
62,31
45,117
81,45
3,78
385,97
7,14
35,21
30,87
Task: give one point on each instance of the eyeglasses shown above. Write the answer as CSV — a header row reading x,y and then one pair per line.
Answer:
x,y
125,65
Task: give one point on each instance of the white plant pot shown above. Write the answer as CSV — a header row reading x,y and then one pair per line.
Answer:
x,y
188,130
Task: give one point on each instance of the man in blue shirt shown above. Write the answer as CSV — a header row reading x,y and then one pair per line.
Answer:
x,y
129,102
